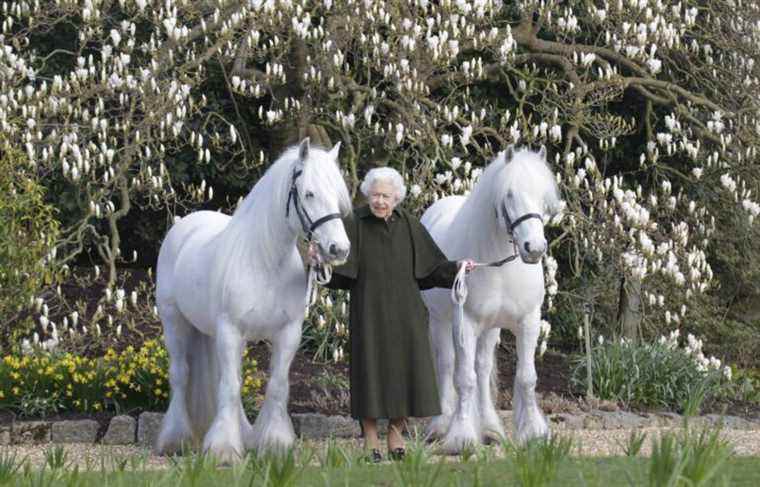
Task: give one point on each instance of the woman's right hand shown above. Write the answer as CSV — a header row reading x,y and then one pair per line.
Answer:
x,y
313,254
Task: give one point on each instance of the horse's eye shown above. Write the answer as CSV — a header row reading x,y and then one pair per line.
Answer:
x,y
309,194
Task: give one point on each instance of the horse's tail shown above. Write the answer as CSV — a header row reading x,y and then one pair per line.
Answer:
x,y
202,382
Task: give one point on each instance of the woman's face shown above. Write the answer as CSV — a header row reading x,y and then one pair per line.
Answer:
x,y
382,199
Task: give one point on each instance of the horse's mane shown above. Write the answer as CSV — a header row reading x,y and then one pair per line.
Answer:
x,y
260,218
526,171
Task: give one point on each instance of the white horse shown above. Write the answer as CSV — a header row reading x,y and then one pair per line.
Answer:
x,y
503,216
222,281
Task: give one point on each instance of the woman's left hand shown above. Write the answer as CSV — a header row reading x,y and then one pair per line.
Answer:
x,y
469,265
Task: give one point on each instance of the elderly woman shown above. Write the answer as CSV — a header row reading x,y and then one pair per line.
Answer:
x,y
392,258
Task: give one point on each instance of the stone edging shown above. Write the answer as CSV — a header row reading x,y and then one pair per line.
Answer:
x,y
126,430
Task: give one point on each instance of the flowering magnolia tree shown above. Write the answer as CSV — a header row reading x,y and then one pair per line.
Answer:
x,y
649,111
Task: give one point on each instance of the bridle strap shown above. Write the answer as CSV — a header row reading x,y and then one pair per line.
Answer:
x,y
501,262
324,219
292,194
459,288
307,225
526,216
512,225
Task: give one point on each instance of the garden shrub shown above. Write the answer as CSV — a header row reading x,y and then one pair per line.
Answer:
x,y
652,375
45,383
28,228
325,330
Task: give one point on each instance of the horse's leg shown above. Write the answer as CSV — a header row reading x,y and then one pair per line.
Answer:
x,y
245,426
529,422
224,438
246,429
491,426
464,428
273,430
443,351
176,432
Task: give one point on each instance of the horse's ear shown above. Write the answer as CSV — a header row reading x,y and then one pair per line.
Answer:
x,y
509,153
303,149
334,151
542,152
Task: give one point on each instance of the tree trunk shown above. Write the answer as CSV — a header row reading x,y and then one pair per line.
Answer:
x,y
629,308
293,130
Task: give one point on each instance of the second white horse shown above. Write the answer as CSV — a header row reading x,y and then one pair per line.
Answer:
x,y
504,215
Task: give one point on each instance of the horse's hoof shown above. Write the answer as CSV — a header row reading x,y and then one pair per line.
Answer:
x,y
493,434
433,436
173,444
225,455
531,433
455,447
454,444
493,438
272,447
436,429
170,449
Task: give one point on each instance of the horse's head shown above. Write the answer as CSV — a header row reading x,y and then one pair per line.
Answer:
x,y
320,198
527,201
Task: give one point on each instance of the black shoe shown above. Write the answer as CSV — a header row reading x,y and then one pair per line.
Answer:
x,y
375,456
397,454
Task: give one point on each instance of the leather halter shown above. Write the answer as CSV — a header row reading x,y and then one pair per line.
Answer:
x,y
511,225
307,224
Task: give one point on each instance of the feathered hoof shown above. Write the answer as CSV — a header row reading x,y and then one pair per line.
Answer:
x,y
225,454
169,448
534,429
275,442
272,432
224,444
492,430
274,448
437,428
458,438
173,441
491,437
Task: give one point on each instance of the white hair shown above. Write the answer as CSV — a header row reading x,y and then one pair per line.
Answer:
x,y
386,174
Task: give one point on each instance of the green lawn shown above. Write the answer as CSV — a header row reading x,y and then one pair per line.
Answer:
x,y
570,472
686,458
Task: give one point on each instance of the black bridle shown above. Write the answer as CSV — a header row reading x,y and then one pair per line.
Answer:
x,y
511,225
307,224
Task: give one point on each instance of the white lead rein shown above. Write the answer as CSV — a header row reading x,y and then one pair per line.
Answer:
x,y
321,274
459,291
458,297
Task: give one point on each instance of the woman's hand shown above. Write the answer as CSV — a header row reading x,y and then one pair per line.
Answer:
x,y
313,254
469,264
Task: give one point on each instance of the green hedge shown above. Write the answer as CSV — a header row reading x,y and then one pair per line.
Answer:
x,y
28,229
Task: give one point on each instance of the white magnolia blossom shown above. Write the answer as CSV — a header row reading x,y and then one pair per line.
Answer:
x,y
108,112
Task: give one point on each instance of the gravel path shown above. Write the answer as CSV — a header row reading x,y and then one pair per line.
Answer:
x,y
594,442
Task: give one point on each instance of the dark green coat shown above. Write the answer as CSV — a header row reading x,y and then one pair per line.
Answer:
x,y
391,365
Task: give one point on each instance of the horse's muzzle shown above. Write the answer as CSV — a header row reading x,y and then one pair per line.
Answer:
x,y
336,254
532,254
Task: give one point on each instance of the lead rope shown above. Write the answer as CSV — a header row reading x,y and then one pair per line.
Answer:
x,y
320,273
458,297
459,288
